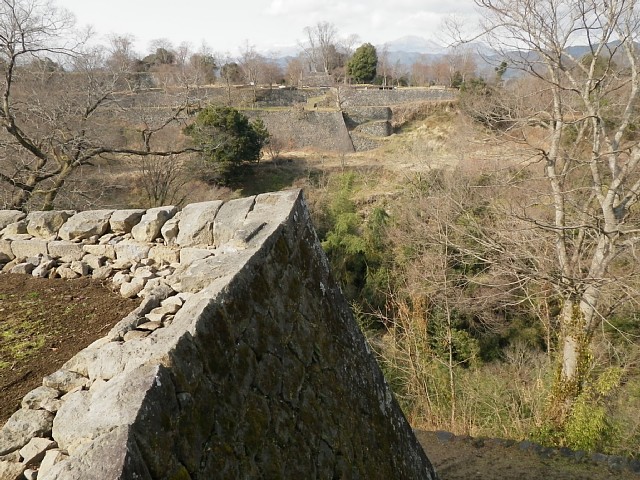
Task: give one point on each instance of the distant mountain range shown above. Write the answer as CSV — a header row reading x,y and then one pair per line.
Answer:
x,y
408,49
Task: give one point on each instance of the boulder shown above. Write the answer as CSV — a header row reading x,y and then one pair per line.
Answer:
x,y
156,288
94,261
196,223
230,219
30,474
122,221
81,268
8,217
102,273
85,416
170,229
22,426
148,229
119,278
29,248
47,224
131,251
12,470
65,250
84,225
65,381
5,251
132,288
33,452
40,398
146,273
51,457
24,268
107,251
13,229
163,254
44,268
106,457
135,335
190,255
66,273
12,264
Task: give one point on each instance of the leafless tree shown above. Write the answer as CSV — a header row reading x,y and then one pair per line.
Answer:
x,y
55,121
295,71
162,179
320,46
579,118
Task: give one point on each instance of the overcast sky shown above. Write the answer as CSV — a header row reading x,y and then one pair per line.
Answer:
x,y
269,25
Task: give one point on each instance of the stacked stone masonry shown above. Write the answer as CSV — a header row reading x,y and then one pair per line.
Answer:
x,y
242,360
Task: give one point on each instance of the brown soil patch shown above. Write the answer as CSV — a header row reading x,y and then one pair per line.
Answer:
x,y
43,323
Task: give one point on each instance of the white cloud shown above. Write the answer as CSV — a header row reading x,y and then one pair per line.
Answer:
x,y
226,25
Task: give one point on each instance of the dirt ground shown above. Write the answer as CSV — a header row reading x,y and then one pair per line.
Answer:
x,y
43,323
460,458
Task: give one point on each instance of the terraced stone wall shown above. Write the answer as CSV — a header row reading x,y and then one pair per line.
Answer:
x,y
242,361
353,97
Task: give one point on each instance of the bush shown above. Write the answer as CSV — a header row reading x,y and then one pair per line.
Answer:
x,y
227,139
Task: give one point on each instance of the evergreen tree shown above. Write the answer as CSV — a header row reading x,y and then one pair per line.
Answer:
x,y
228,139
362,66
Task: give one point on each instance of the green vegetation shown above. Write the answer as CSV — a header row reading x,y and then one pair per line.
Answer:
x,y
24,332
362,66
228,140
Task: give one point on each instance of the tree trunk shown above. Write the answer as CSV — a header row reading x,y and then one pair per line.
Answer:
x,y
58,183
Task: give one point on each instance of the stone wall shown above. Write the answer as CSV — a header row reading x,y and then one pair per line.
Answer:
x,y
352,97
242,361
358,115
300,128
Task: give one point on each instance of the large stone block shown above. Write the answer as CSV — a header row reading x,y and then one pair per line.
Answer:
x,y
47,224
128,250
148,229
29,248
5,250
65,250
13,231
196,223
107,251
122,221
230,219
21,427
162,254
86,224
10,216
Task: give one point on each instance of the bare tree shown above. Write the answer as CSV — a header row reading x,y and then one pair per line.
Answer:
x,y
54,121
295,71
320,46
162,179
384,64
581,126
